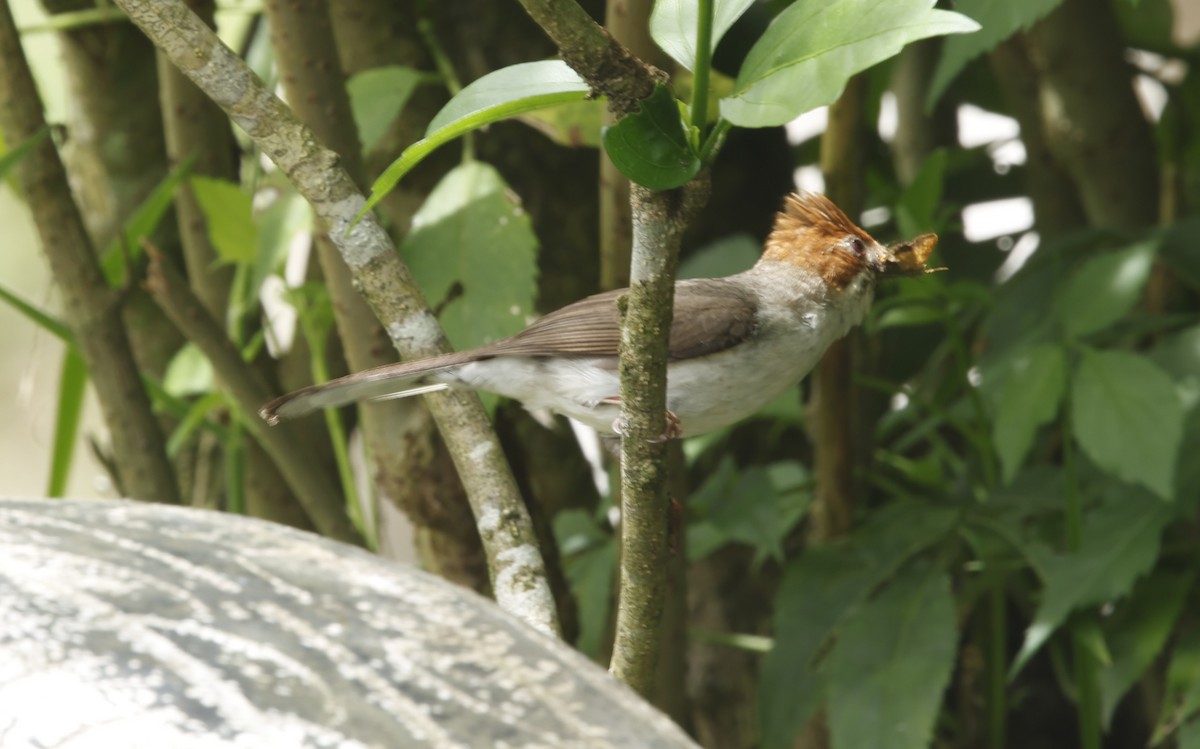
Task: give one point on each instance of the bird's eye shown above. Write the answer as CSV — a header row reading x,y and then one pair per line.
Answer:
x,y
857,246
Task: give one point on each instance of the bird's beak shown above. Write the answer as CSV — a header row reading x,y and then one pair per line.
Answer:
x,y
908,258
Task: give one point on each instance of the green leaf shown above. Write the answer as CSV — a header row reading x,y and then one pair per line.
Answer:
x,y
1127,416
38,317
141,223
998,20
916,212
1138,632
377,96
724,257
499,95
811,50
473,252
673,26
573,125
72,382
819,590
289,215
229,212
1120,544
891,665
1030,398
1104,289
651,146
589,560
188,373
757,506
1182,698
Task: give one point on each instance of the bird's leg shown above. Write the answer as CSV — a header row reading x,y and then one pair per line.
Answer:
x,y
673,430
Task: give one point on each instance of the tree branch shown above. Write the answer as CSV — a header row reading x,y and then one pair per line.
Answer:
x,y
92,307
659,220
607,66
318,495
518,574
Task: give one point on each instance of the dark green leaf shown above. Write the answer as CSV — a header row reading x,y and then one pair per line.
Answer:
x,y
1179,354
72,381
673,26
141,223
1127,417
1120,543
651,146
724,257
499,95
229,213
1104,289
474,254
811,50
1138,632
1182,698
891,665
998,20
916,211
819,590
377,96
1030,398
589,560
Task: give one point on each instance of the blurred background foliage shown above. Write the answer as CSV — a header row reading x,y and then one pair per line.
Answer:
x,y
1016,558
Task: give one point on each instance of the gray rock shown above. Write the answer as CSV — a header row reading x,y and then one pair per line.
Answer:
x,y
130,625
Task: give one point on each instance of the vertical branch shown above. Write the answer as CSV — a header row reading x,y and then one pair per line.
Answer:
x,y
659,219
91,306
833,405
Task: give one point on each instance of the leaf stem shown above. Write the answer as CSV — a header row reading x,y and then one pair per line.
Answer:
x,y
712,144
704,26
446,71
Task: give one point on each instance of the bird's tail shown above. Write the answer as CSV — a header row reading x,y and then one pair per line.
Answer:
x,y
389,381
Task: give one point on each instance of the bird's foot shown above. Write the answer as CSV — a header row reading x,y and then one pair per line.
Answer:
x,y
673,431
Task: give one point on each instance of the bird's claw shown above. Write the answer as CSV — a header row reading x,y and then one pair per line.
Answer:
x,y
673,430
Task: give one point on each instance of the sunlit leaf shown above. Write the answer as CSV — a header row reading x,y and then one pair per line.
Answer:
x,y
891,665
474,254
377,96
1127,416
229,212
72,382
188,373
811,50
673,26
499,95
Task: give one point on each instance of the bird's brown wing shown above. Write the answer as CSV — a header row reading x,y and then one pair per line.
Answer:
x,y
710,315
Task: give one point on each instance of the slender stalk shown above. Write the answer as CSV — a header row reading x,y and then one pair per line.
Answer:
x,y
315,492
704,26
449,78
997,701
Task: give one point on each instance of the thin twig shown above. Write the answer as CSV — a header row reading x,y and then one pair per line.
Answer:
x,y
316,493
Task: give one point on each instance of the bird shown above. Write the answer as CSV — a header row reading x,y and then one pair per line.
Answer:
x,y
735,342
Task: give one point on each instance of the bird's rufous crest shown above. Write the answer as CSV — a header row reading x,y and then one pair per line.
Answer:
x,y
813,232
